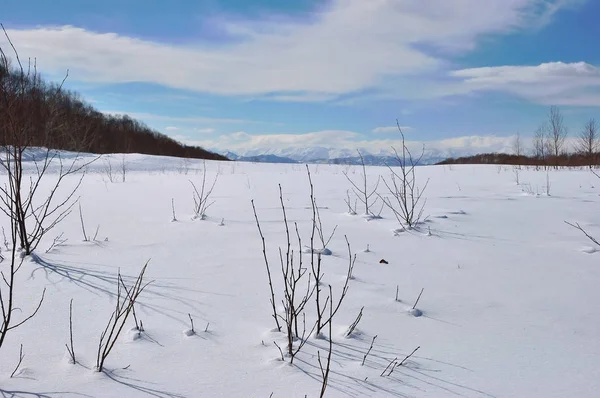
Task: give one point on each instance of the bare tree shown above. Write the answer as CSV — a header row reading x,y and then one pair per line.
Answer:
x,y
34,216
408,205
541,147
517,145
518,151
557,132
588,142
361,189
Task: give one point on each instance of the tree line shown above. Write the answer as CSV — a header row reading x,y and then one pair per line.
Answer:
x,y
550,147
37,113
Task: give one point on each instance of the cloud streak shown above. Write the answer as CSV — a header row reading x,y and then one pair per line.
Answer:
x,y
554,83
346,47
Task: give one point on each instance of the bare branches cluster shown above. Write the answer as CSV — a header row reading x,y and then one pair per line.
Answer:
x,y
126,299
363,191
302,285
406,201
201,196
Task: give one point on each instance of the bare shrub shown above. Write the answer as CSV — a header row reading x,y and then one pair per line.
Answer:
x,y
299,286
202,197
126,299
406,201
108,170
362,190
351,206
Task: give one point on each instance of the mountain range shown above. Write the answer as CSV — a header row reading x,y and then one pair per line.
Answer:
x,y
325,155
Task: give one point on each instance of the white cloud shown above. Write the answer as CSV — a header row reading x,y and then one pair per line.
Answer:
x,y
554,83
349,46
205,130
171,128
390,129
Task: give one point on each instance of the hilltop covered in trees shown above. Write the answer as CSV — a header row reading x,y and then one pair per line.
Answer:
x,y
549,147
43,114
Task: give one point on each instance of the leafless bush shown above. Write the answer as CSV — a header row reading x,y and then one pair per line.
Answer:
x,y
517,174
317,224
408,203
126,299
324,321
299,286
361,189
351,207
292,276
108,170
202,197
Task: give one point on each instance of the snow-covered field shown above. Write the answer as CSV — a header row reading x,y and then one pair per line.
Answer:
x,y
510,299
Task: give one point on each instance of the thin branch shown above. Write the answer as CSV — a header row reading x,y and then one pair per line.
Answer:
x,y
21,356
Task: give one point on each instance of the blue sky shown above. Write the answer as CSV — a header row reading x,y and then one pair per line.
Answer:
x,y
266,74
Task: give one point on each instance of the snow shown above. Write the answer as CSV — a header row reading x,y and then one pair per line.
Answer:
x,y
509,307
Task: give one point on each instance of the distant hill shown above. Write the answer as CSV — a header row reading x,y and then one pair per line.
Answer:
x,y
342,156
36,113
565,160
265,159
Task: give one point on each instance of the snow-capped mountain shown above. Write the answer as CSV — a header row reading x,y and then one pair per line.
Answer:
x,y
338,155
